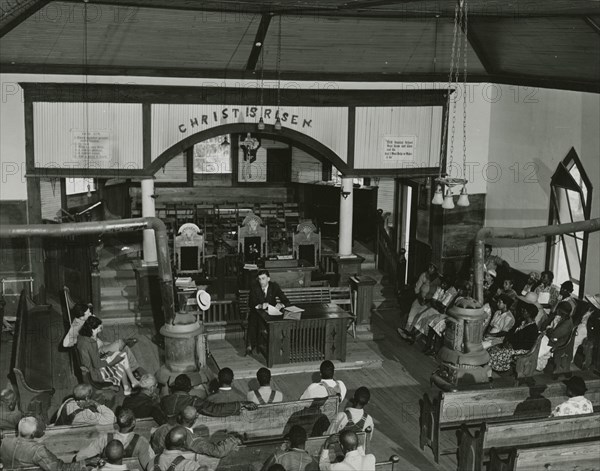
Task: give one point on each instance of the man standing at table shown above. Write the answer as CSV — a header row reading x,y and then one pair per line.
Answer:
x,y
262,294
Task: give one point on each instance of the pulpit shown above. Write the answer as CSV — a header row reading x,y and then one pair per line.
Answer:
x,y
306,243
252,239
189,250
464,361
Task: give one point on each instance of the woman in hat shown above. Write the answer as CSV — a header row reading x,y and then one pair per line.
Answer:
x,y
557,334
577,404
518,341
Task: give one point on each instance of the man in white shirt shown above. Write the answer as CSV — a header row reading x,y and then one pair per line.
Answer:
x,y
264,394
354,417
82,410
576,404
327,387
354,458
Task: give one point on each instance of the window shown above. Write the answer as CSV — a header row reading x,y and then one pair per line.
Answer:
x,y
74,186
213,155
570,201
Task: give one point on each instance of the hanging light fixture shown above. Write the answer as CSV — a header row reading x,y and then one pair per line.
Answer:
x,y
225,142
459,45
278,121
89,192
261,121
86,103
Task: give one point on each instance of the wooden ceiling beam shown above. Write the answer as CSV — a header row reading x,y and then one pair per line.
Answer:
x,y
477,47
561,83
11,17
332,11
259,41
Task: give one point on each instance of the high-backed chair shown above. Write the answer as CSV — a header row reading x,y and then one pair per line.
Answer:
x,y
252,238
307,243
189,250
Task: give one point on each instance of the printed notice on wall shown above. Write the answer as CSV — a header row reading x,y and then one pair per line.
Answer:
x,y
399,148
91,146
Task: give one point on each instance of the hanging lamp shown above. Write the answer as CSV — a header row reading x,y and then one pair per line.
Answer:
x,y
459,45
278,65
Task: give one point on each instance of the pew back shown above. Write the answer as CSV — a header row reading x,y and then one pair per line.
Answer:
x,y
473,450
310,295
573,456
272,420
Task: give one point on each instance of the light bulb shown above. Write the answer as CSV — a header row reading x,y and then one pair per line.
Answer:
x,y
438,198
261,124
448,200
463,199
278,124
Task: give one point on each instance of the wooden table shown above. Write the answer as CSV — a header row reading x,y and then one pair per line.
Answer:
x,y
319,335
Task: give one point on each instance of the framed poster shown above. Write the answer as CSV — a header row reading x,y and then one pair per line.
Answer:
x,y
398,148
252,161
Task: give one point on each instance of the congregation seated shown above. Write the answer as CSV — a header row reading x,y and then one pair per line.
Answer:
x,y
492,262
430,309
145,403
225,394
134,445
193,442
9,412
327,386
293,455
264,394
508,289
114,453
565,296
577,403
354,457
557,333
500,323
25,450
180,398
354,418
81,409
518,341
111,367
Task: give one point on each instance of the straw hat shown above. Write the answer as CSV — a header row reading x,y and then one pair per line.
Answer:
x,y
203,299
530,298
594,300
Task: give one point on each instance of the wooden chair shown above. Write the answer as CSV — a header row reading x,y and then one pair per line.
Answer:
x,y
189,250
252,239
306,243
525,364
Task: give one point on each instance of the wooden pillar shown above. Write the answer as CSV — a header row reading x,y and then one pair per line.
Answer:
x,y
36,251
96,281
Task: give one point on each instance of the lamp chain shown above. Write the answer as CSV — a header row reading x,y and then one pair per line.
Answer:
x,y
262,78
465,100
279,65
450,80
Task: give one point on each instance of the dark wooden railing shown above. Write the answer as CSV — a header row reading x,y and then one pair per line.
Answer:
x,y
387,259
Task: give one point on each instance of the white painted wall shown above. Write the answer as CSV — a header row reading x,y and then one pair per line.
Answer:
x,y
528,138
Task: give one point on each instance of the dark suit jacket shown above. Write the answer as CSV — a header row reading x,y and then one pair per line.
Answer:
x,y
257,295
560,334
522,339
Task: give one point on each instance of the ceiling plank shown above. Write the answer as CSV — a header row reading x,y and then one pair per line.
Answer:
x,y
595,26
477,46
259,42
10,18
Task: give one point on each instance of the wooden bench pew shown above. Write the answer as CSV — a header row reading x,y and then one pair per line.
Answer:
x,y
474,450
273,420
582,456
450,410
66,440
31,362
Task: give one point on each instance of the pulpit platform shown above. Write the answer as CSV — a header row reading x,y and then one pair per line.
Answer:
x,y
230,353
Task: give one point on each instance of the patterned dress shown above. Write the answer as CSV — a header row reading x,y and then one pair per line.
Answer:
x,y
517,342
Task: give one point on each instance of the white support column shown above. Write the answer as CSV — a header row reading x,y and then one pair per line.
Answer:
x,y
148,210
346,204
